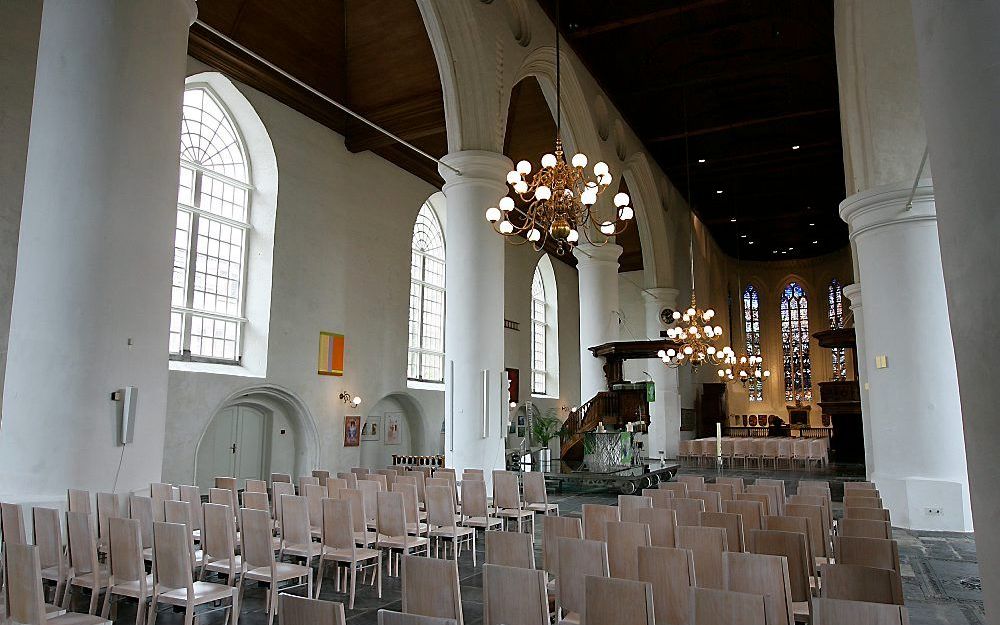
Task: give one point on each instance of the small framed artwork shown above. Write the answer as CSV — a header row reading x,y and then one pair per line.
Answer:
x,y
331,354
352,431
372,431
393,421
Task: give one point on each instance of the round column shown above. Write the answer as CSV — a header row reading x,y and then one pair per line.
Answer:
x,y
598,271
476,383
853,293
913,401
91,298
665,411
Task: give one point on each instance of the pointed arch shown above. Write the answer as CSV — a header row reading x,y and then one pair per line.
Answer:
x,y
425,352
835,313
544,330
796,363
751,334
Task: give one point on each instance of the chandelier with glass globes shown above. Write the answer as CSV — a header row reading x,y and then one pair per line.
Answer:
x,y
744,368
697,339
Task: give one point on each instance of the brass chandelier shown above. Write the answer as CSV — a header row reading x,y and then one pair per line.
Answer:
x,y
560,197
696,336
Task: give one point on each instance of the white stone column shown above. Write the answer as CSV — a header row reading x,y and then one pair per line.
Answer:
x,y
476,383
853,293
665,411
957,50
913,401
598,271
91,299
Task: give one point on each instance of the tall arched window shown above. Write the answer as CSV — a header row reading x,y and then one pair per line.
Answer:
x,y
210,240
836,312
425,360
751,331
795,343
539,331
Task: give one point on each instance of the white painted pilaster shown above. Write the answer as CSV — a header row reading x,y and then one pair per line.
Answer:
x,y
665,411
598,270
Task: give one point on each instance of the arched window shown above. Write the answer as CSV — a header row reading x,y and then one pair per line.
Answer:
x,y
210,240
836,312
751,331
538,334
425,360
795,343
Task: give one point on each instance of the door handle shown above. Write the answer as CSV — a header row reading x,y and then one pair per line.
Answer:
x,y
233,448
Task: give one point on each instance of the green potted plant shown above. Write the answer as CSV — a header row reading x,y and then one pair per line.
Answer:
x,y
543,429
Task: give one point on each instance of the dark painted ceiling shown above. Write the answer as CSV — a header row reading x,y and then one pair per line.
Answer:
x,y
721,92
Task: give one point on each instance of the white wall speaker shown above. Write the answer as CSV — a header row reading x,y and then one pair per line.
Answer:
x,y
129,399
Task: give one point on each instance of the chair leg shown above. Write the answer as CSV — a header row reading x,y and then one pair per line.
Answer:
x,y
151,620
354,579
474,547
189,612
319,577
107,606
95,593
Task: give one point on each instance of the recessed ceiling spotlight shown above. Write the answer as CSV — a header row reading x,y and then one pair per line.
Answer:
x,y
743,236
718,191
784,252
774,251
795,147
701,160
815,242
731,219
749,242
812,225
790,249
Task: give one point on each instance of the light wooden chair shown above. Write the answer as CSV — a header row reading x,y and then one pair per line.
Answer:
x,y
771,492
392,533
85,570
577,560
254,486
662,525
724,607
660,498
475,508
514,595
713,500
315,493
688,510
304,480
779,490
814,500
78,500
510,549
793,546
141,509
741,451
369,494
726,491
727,451
430,588
671,574
280,477
507,500
624,539
618,601
350,478
180,512
334,486
226,497
868,514
381,480
864,529
770,452
259,564
855,501
594,518
819,530
844,612
192,495
255,501
732,523
414,525
390,476
128,578
173,583
473,474
389,617
861,583
628,504
798,525
762,574
161,493
296,535
339,547
219,543
442,525
679,489
26,601
554,528
765,499
322,475
536,497
694,482
877,553
735,482
277,490
47,531
752,513
861,486
109,506
707,544
420,478
363,537
231,484
294,610
360,471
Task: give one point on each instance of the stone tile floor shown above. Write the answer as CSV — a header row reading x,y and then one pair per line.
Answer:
x,y
940,571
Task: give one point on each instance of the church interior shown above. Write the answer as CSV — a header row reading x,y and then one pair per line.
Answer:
x,y
501,312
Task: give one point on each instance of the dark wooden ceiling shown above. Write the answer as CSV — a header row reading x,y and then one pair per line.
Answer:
x,y
737,83
374,57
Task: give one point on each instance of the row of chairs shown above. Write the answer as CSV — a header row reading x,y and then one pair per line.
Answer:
x,y
788,452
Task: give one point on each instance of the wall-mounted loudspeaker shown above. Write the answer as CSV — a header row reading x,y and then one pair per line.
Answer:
x,y
128,399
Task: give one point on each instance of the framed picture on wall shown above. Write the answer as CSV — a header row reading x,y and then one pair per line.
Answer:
x,y
372,431
393,421
331,354
352,431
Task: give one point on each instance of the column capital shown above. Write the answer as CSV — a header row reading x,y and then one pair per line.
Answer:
x,y
665,296
476,167
887,206
588,254
853,293
191,6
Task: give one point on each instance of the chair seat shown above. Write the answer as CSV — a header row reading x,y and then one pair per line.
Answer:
x,y
345,555
282,571
416,529
133,589
222,566
398,542
204,592
51,611
800,611
542,507
510,513
301,551
87,580
52,573
452,532
72,618
482,522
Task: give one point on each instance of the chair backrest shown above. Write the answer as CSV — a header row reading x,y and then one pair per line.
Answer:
x,y
390,476
554,528
229,483
24,584
109,506
510,549
389,617
724,607
854,500
141,509
218,538
277,490
863,528
707,544
793,546
304,480
671,573
382,480
660,498
628,504
688,510
844,612
410,508
578,559
256,501
440,506
726,491
619,601
861,583
819,529
180,512
514,595
82,542
430,585
280,477
350,478
125,550
662,525
338,524
254,486
356,500
255,540
161,493
811,483
713,500
369,491
868,514
505,491
322,475
732,523
47,531
12,524
79,500
859,486
679,489
473,474
315,493
751,511
878,553
763,498
360,471
334,485
594,518
534,488
769,492
173,557
762,574
420,478
793,524
295,528
295,610
473,498
694,482
223,496
624,539
735,482
391,517
192,495
778,484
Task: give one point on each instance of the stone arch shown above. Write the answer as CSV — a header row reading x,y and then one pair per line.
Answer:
x,y
415,439
657,246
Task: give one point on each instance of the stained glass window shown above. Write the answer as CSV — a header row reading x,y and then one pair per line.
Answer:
x,y
751,332
538,332
836,311
210,237
425,357
795,344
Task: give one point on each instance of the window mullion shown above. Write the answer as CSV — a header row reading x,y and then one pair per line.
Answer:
x,y
191,263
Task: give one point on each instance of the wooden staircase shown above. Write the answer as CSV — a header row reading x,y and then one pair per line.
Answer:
x,y
612,408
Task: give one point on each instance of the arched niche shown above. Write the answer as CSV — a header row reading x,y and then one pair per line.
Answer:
x,y
415,433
